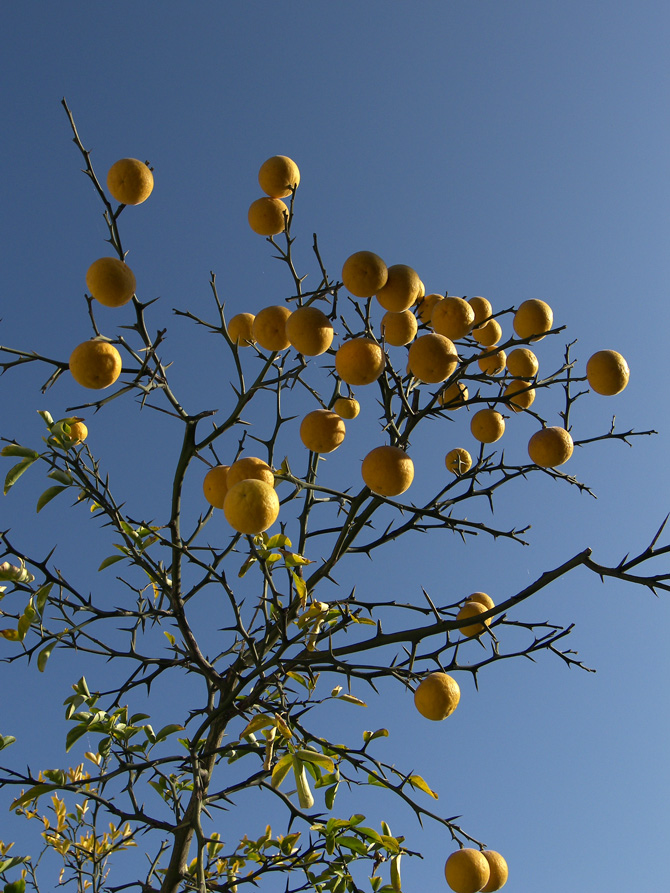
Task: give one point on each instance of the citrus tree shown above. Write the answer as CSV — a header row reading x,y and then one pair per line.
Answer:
x,y
263,553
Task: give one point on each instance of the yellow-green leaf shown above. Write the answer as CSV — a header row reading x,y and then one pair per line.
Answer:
x,y
44,656
48,495
417,782
15,473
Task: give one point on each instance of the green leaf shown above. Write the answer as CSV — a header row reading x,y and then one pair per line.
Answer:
x,y
245,567
300,586
279,540
41,597
15,473
354,844
370,833
46,416
44,656
317,759
11,634
168,730
32,794
48,495
350,699
375,882
74,735
417,782
370,736
281,770
61,476
16,886
5,741
112,559
330,795
25,620
12,862
15,450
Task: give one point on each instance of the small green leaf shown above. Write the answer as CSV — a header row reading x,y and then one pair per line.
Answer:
x,y
41,597
350,699
15,450
11,634
15,473
16,886
25,620
300,586
417,782
74,735
281,770
317,759
44,656
168,730
370,736
5,741
112,559
48,495
12,862
330,796
277,541
32,794
245,567
46,416
354,844
61,476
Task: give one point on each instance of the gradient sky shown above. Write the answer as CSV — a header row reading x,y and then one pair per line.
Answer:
x,y
511,150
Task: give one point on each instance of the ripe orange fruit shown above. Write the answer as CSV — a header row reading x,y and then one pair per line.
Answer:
x,y
467,871
432,358
251,506
550,447
240,329
427,305
533,319
498,869
215,485
494,363
487,426
249,468
130,181
401,290
453,396
520,394
347,407
310,331
488,334
364,274
607,372
322,431
359,361
482,309
268,216
483,599
387,471
111,281
458,461
437,696
78,433
269,327
278,176
523,363
472,609
95,364
452,317
399,328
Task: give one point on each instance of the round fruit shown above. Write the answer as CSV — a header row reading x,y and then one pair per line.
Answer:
x,y
550,447
437,696
95,364
387,471
359,361
458,461
110,281
533,319
453,396
472,609
249,468
269,327
399,328
499,871
426,307
401,290
482,309
240,329
278,176
488,334
494,363
364,274
453,318
310,331
268,216
432,358
607,372
520,394
467,871
78,432
322,431
483,599
251,506
215,485
523,363
130,181
487,426
347,407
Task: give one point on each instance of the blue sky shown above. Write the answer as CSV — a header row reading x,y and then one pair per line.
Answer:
x,y
509,150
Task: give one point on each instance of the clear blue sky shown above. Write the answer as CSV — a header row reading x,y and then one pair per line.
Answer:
x,y
511,150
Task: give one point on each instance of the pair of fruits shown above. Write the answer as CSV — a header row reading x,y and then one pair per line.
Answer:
x,y
278,177
476,871
245,491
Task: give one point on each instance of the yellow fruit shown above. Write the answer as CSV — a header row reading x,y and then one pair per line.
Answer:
x,y
472,609
387,471
130,181
488,334
426,307
482,309
78,432
268,216
249,468
322,431
453,396
432,358
422,292
487,426
458,461
111,281
607,372
278,176
533,319
364,274
310,331
215,485
269,327
347,407
399,328
520,394
550,447
240,329
251,506
494,363
483,599
467,871
452,317
523,363
437,696
401,290
498,869
359,361
95,364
